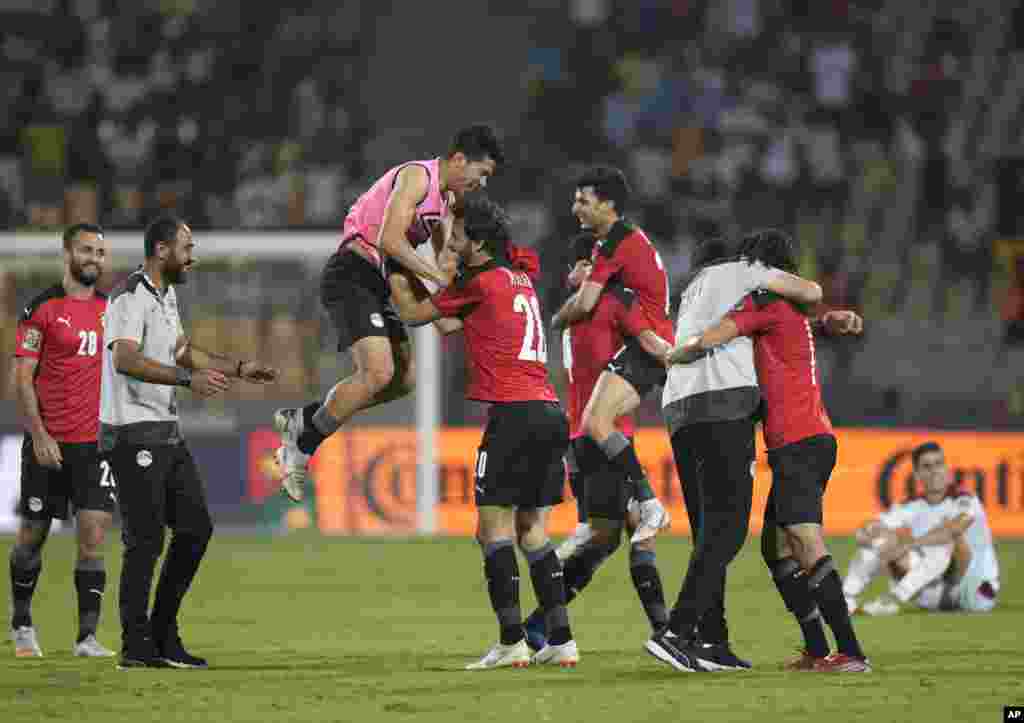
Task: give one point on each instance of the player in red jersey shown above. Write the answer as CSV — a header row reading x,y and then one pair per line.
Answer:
x,y
519,470
57,371
623,253
587,348
801,452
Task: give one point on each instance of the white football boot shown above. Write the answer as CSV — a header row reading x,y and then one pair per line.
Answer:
x,y
566,655
503,656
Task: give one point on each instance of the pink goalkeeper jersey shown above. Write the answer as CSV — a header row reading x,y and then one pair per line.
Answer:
x,y
364,219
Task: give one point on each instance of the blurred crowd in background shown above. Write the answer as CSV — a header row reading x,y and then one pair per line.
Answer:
x,y
887,136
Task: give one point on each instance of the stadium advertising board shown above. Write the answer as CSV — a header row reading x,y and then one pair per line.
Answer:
x,y
365,478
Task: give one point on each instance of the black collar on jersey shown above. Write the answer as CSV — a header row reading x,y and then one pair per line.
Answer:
x,y
56,291
139,277
619,230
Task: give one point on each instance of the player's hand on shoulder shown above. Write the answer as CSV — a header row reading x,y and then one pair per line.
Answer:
x,y
47,451
209,382
842,322
257,372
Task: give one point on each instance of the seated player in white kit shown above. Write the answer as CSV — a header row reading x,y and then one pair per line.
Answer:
x,y
937,548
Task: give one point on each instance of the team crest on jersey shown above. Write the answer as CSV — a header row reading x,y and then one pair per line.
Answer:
x,y
144,458
33,340
377,320
35,504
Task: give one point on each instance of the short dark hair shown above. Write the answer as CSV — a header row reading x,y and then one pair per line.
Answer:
x,y
163,228
476,143
771,247
583,246
71,234
486,221
923,449
709,250
609,184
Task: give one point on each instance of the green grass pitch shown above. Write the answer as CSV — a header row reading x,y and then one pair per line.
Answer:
x,y
306,628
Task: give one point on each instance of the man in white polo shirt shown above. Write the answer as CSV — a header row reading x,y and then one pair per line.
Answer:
x,y
146,356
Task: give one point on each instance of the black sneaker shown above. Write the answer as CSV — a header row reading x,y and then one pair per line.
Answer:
x,y
140,654
719,656
173,653
669,648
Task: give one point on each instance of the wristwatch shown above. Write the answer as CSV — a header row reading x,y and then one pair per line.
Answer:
x,y
183,377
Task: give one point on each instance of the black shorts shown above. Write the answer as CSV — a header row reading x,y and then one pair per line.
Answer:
x,y
604,491
800,474
637,367
160,486
357,299
519,462
83,481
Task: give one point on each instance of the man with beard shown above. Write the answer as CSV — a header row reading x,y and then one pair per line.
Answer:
x,y
57,378
145,356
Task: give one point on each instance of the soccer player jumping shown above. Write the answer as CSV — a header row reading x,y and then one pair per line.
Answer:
x,y
408,206
624,253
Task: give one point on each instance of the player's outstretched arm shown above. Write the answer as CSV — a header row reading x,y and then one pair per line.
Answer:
x,y
411,185
190,356
46,449
696,346
130,361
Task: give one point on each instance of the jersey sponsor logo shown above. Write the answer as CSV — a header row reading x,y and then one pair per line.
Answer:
x,y
377,320
35,504
144,458
33,340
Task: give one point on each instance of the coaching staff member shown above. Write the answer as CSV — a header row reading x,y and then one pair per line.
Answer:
x,y
146,355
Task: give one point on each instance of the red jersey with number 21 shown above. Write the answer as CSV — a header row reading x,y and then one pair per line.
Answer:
x,y
504,333
786,369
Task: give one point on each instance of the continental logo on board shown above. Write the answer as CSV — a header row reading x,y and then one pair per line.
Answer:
x,y
365,478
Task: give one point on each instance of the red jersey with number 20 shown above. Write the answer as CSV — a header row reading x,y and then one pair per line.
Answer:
x,y
589,345
66,336
629,256
786,369
504,333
